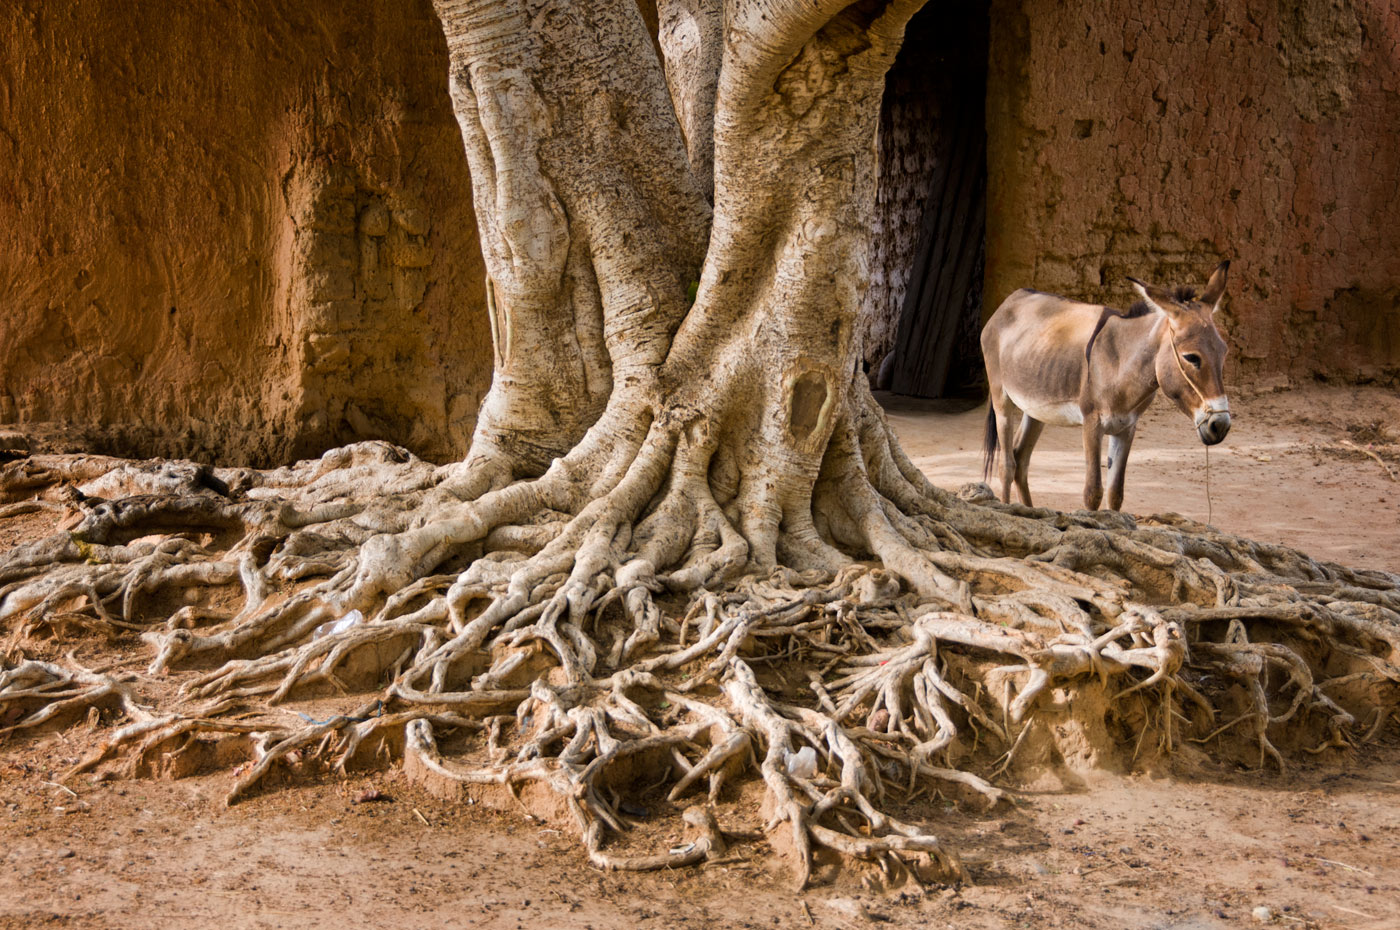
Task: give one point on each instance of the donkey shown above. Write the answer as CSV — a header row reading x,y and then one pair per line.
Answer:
x,y
1066,363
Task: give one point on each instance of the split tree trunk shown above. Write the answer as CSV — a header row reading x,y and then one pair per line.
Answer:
x,y
591,222
594,215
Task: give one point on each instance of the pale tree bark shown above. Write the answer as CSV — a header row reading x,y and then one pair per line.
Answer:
x,y
591,222
691,36
686,543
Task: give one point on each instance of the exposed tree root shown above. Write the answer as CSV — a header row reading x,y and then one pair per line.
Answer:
x,y
640,616
35,693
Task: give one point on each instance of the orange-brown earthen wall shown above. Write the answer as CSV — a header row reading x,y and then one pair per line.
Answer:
x,y
243,230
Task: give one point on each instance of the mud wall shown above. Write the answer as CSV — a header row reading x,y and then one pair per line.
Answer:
x,y
1155,140
239,230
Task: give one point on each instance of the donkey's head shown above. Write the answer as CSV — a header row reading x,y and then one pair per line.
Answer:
x,y
1191,357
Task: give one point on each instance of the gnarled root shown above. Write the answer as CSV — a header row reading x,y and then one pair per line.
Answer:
x,y
652,618
35,693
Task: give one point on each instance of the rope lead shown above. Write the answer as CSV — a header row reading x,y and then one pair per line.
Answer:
x,y
1210,507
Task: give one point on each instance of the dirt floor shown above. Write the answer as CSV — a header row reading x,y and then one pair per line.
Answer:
x,y
1220,847
1294,469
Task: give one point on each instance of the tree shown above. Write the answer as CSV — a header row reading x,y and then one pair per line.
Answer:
x,y
680,494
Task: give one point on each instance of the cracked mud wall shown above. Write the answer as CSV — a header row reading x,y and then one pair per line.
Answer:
x,y
1156,140
238,230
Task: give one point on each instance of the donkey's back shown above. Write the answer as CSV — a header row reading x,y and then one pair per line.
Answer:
x,y
1034,349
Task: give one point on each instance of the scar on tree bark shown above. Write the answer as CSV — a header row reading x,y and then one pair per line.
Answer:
x,y
686,554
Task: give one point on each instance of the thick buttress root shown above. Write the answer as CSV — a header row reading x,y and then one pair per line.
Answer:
x,y
630,628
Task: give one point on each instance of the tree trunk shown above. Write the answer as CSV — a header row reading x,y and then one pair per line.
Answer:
x,y
591,221
726,412
665,497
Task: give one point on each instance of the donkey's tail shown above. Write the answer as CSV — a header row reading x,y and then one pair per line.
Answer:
x,y
989,443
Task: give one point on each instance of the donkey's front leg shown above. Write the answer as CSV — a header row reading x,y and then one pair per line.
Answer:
x,y
1118,448
1093,480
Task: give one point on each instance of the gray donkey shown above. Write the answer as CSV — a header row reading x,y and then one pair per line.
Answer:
x,y
1067,363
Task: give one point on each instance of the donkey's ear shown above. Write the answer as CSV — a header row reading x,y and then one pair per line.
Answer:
x,y
1215,287
1157,298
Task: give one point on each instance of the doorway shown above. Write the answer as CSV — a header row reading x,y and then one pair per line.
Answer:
x,y
933,201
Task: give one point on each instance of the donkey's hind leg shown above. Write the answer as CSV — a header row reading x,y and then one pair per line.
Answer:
x,y
1025,444
1006,412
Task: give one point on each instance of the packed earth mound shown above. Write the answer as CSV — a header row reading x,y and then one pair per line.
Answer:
x,y
226,598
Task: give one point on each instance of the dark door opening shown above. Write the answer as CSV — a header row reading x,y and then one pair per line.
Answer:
x,y
933,134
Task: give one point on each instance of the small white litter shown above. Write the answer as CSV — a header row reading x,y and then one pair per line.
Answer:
x,y
331,627
803,763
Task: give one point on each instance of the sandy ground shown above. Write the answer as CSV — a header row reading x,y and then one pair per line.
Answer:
x,y
1318,846
1284,473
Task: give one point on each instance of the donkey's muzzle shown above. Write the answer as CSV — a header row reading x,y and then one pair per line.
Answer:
x,y
1214,427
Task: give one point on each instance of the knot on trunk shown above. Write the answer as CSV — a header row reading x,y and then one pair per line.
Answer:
x,y
810,405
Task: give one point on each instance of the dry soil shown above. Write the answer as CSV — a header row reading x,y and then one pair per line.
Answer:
x,y
1316,847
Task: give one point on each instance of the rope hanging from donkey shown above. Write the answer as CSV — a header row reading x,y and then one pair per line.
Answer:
x,y
1210,505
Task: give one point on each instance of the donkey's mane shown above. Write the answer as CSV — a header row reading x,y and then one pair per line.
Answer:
x,y
1182,293
1140,308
